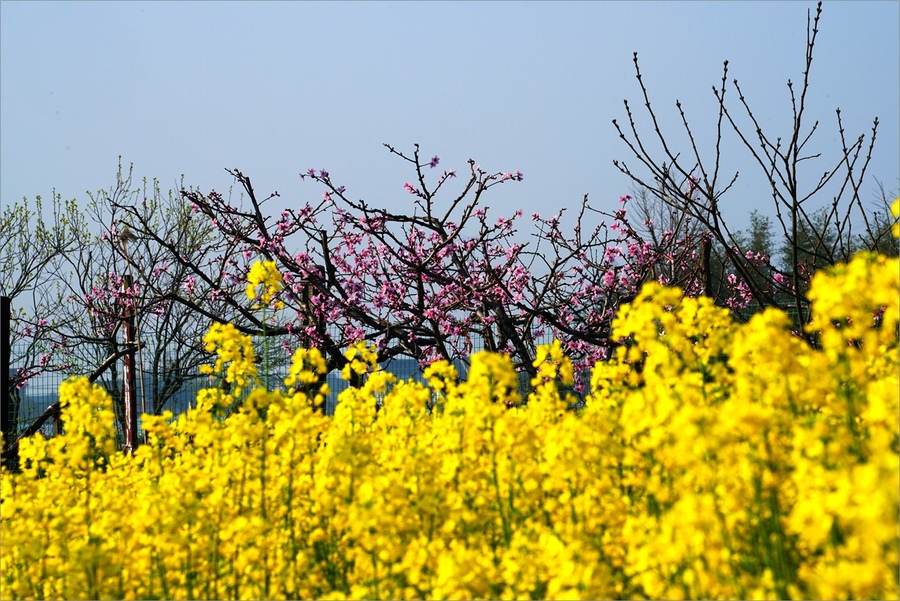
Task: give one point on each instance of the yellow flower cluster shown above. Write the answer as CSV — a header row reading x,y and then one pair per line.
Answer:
x,y
755,465
236,359
360,359
264,274
895,211
712,460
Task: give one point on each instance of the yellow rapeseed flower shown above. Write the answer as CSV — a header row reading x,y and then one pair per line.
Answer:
x,y
264,274
234,356
895,211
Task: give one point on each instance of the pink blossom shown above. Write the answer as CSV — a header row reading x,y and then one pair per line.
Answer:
x,y
189,285
159,270
515,176
609,278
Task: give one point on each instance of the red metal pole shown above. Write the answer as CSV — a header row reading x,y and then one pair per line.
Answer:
x,y
129,387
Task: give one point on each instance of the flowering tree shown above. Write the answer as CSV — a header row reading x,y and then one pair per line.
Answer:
x,y
113,273
446,277
76,276
434,283
33,243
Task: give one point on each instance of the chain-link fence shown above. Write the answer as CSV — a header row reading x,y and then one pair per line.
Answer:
x,y
41,392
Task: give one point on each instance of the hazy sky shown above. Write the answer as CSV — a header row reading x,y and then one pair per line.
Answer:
x,y
275,88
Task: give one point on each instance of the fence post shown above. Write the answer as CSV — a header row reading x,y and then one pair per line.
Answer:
x,y
129,388
6,426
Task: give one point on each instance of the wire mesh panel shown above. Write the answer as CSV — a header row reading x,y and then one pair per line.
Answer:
x,y
36,394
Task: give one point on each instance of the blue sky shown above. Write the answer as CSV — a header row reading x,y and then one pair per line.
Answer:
x,y
190,88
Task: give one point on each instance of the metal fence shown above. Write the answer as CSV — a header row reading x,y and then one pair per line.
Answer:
x,y
42,391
